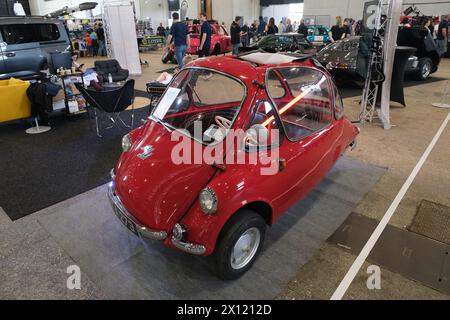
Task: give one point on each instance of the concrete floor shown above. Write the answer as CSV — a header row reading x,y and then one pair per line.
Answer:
x,y
398,150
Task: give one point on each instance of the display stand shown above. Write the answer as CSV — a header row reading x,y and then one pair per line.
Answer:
x,y
66,97
443,103
38,129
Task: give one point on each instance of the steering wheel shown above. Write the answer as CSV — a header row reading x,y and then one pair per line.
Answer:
x,y
223,122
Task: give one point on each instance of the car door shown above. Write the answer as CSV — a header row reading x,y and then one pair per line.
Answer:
x,y
303,100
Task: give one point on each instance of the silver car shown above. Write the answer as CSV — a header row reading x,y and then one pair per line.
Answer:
x,y
26,44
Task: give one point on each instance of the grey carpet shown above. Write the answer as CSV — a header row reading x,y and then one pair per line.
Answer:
x,y
125,268
38,171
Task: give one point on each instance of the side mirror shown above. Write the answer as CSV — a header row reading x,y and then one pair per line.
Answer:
x,y
257,136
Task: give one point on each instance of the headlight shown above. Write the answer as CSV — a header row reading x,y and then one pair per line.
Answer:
x,y
126,143
208,201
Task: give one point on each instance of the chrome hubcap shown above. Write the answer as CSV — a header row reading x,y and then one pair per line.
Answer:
x,y
426,70
245,248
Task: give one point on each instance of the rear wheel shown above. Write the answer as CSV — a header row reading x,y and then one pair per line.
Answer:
x,y
239,244
167,56
216,51
424,69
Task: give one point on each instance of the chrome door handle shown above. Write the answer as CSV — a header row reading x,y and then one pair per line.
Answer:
x,y
10,54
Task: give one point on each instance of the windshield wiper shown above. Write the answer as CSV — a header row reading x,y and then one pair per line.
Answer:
x,y
165,125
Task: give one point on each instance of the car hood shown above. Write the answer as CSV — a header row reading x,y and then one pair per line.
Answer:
x,y
155,190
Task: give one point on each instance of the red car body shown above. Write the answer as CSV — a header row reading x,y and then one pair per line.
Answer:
x,y
220,40
155,194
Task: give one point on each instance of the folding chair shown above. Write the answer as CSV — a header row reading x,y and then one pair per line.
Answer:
x,y
111,102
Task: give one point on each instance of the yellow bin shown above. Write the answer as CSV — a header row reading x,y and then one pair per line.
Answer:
x,y
14,103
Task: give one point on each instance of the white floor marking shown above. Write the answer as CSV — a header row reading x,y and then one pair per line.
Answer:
x,y
4,218
359,261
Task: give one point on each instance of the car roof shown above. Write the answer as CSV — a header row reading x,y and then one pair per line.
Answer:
x,y
27,19
287,34
247,64
228,64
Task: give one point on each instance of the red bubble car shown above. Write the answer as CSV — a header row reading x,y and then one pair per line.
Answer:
x,y
220,42
232,144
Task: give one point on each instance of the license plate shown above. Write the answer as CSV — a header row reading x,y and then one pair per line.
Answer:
x,y
126,221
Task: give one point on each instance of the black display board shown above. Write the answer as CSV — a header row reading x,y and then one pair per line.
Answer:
x,y
7,7
266,3
174,5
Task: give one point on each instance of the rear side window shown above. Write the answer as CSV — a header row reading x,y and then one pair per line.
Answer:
x,y
26,33
306,107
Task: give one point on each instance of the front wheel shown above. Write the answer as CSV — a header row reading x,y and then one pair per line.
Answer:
x,y
167,56
239,244
216,50
424,69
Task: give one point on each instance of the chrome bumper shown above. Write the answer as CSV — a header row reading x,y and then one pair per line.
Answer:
x,y
191,248
123,214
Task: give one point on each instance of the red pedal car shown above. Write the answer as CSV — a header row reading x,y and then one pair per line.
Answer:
x,y
232,144
220,42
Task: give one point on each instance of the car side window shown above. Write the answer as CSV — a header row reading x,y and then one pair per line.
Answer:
x,y
306,108
265,123
275,86
26,33
285,40
338,104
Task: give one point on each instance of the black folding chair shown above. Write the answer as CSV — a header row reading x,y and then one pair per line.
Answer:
x,y
111,102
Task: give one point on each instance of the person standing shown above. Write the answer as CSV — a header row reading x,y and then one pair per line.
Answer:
x,y
94,39
261,26
295,25
337,32
179,34
161,31
205,37
245,35
282,27
101,40
271,28
303,29
347,27
289,27
236,32
425,24
442,36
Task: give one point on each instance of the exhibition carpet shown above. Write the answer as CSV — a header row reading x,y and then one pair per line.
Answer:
x,y
37,171
120,266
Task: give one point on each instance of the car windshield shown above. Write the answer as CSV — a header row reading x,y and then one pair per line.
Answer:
x,y
202,102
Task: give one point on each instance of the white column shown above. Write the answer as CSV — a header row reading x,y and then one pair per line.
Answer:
x,y
122,36
390,44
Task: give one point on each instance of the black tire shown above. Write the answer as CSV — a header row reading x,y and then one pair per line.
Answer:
x,y
425,68
241,222
167,56
216,51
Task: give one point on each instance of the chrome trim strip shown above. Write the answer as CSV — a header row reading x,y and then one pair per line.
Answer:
x,y
191,248
143,231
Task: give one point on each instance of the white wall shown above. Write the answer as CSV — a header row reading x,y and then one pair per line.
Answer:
x,y
293,11
354,8
227,10
156,10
